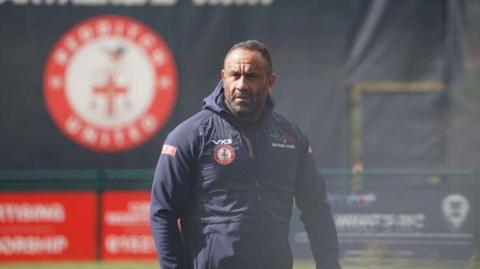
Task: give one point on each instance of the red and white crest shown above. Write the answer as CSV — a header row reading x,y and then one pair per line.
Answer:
x,y
110,83
224,154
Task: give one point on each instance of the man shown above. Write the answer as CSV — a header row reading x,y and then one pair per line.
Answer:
x,y
227,177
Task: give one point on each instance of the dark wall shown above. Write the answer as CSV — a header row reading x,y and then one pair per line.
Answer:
x,y
319,49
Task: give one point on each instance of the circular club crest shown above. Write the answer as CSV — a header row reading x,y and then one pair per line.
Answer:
x,y
224,154
110,83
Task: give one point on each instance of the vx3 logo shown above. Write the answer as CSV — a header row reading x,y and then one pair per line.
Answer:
x,y
222,141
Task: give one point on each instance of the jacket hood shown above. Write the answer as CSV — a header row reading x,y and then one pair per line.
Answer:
x,y
214,101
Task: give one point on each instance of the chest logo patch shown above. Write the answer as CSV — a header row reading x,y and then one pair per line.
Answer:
x,y
224,154
280,140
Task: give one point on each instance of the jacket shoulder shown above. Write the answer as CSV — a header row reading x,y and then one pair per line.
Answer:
x,y
189,129
291,128
287,124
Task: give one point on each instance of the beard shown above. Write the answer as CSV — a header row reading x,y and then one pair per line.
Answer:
x,y
246,105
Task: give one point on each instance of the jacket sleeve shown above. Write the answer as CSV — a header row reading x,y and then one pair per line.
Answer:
x,y
170,192
311,200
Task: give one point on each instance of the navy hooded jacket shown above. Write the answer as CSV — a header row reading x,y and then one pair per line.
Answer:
x,y
223,193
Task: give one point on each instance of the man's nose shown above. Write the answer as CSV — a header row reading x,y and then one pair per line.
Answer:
x,y
242,83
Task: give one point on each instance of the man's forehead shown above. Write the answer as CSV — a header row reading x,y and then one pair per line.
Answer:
x,y
246,58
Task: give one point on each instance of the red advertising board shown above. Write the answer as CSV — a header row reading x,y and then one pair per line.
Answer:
x,y
125,225
47,226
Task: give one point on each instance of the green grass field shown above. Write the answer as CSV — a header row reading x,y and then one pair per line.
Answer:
x,y
298,265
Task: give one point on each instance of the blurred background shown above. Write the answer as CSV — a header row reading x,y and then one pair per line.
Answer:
x,y
387,92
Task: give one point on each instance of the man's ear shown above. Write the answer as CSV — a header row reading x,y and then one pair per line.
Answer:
x,y
271,82
222,74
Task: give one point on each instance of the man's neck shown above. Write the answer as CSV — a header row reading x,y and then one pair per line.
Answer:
x,y
249,119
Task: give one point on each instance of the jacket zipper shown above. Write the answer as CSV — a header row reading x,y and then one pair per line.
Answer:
x,y
253,147
252,154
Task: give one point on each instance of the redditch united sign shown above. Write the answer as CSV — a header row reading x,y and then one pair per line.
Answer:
x,y
110,83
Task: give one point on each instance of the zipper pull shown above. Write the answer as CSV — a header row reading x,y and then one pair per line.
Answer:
x,y
250,148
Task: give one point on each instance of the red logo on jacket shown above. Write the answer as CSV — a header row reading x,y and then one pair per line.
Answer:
x,y
224,154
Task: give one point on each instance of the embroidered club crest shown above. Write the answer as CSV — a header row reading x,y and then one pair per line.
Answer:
x,y
224,154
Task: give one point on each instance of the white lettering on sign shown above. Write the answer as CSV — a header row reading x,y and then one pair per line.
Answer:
x,y
33,245
131,244
366,222
32,213
137,213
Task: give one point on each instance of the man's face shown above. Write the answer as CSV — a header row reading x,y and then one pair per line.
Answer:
x,y
247,83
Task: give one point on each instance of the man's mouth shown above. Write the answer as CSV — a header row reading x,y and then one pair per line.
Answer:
x,y
243,97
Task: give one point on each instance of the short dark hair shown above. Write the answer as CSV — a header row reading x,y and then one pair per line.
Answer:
x,y
254,45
